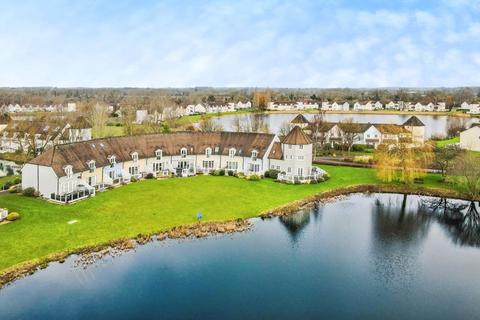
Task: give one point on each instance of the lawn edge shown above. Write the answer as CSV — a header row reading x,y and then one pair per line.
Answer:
x,y
199,230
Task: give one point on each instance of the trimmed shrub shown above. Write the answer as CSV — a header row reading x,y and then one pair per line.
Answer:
x,y
297,182
221,172
17,180
253,177
313,181
240,175
133,179
29,192
7,185
12,216
272,173
230,173
149,176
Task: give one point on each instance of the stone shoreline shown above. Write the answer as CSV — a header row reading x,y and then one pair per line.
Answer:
x,y
91,254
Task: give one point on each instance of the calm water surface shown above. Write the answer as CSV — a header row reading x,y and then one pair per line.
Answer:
x,y
370,257
435,125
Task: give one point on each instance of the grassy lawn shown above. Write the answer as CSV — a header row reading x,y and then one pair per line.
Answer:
x,y
149,206
446,142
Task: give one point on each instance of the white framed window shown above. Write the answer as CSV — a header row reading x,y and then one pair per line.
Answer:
x,y
158,154
300,172
157,166
300,157
69,171
133,170
208,152
183,152
289,169
208,164
254,155
91,166
232,165
301,146
135,157
112,160
231,152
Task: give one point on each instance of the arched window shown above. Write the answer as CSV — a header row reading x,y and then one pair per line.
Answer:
x,y
158,154
112,160
135,156
208,152
68,171
91,166
183,152
231,152
254,155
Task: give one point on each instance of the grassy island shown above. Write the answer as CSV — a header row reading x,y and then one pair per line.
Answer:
x,y
151,206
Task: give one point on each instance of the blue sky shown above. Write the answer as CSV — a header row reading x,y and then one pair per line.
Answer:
x,y
240,43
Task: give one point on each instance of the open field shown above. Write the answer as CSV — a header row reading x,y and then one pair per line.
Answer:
x,y
150,206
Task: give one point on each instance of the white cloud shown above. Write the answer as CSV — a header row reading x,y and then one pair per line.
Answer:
x,y
240,44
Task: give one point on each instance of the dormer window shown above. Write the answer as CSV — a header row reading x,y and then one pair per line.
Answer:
x,y
254,155
135,157
183,152
158,154
231,152
91,166
112,161
208,152
69,171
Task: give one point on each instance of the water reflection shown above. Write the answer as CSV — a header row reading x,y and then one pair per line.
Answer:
x,y
399,227
460,219
295,223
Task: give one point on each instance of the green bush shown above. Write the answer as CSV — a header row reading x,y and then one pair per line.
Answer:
x,y
29,192
149,176
230,173
12,216
7,185
17,180
215,172
272,173
253,177
313,181
326,177
240,175
13,189
133,179
221,172
297,182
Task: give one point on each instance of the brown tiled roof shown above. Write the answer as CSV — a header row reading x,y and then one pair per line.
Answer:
x,y
413,121
300,119
78,154
297,136
321,127
391,128
276,152
354,127
41,128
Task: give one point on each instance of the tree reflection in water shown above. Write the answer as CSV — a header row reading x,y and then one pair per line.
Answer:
x,y
398,229
460,219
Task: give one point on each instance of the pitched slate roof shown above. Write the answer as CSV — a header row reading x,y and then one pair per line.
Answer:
x,y
413,121
297,136
391,128
354,127
79,154
299,119
276,152
320,127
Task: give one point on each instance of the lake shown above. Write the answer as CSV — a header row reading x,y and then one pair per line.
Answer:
x,y
435,125
364,256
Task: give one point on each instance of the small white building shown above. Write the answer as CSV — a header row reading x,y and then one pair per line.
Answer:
x,y
470,139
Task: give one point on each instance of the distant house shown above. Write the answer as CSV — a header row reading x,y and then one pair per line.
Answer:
x,y
470,138
41,135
